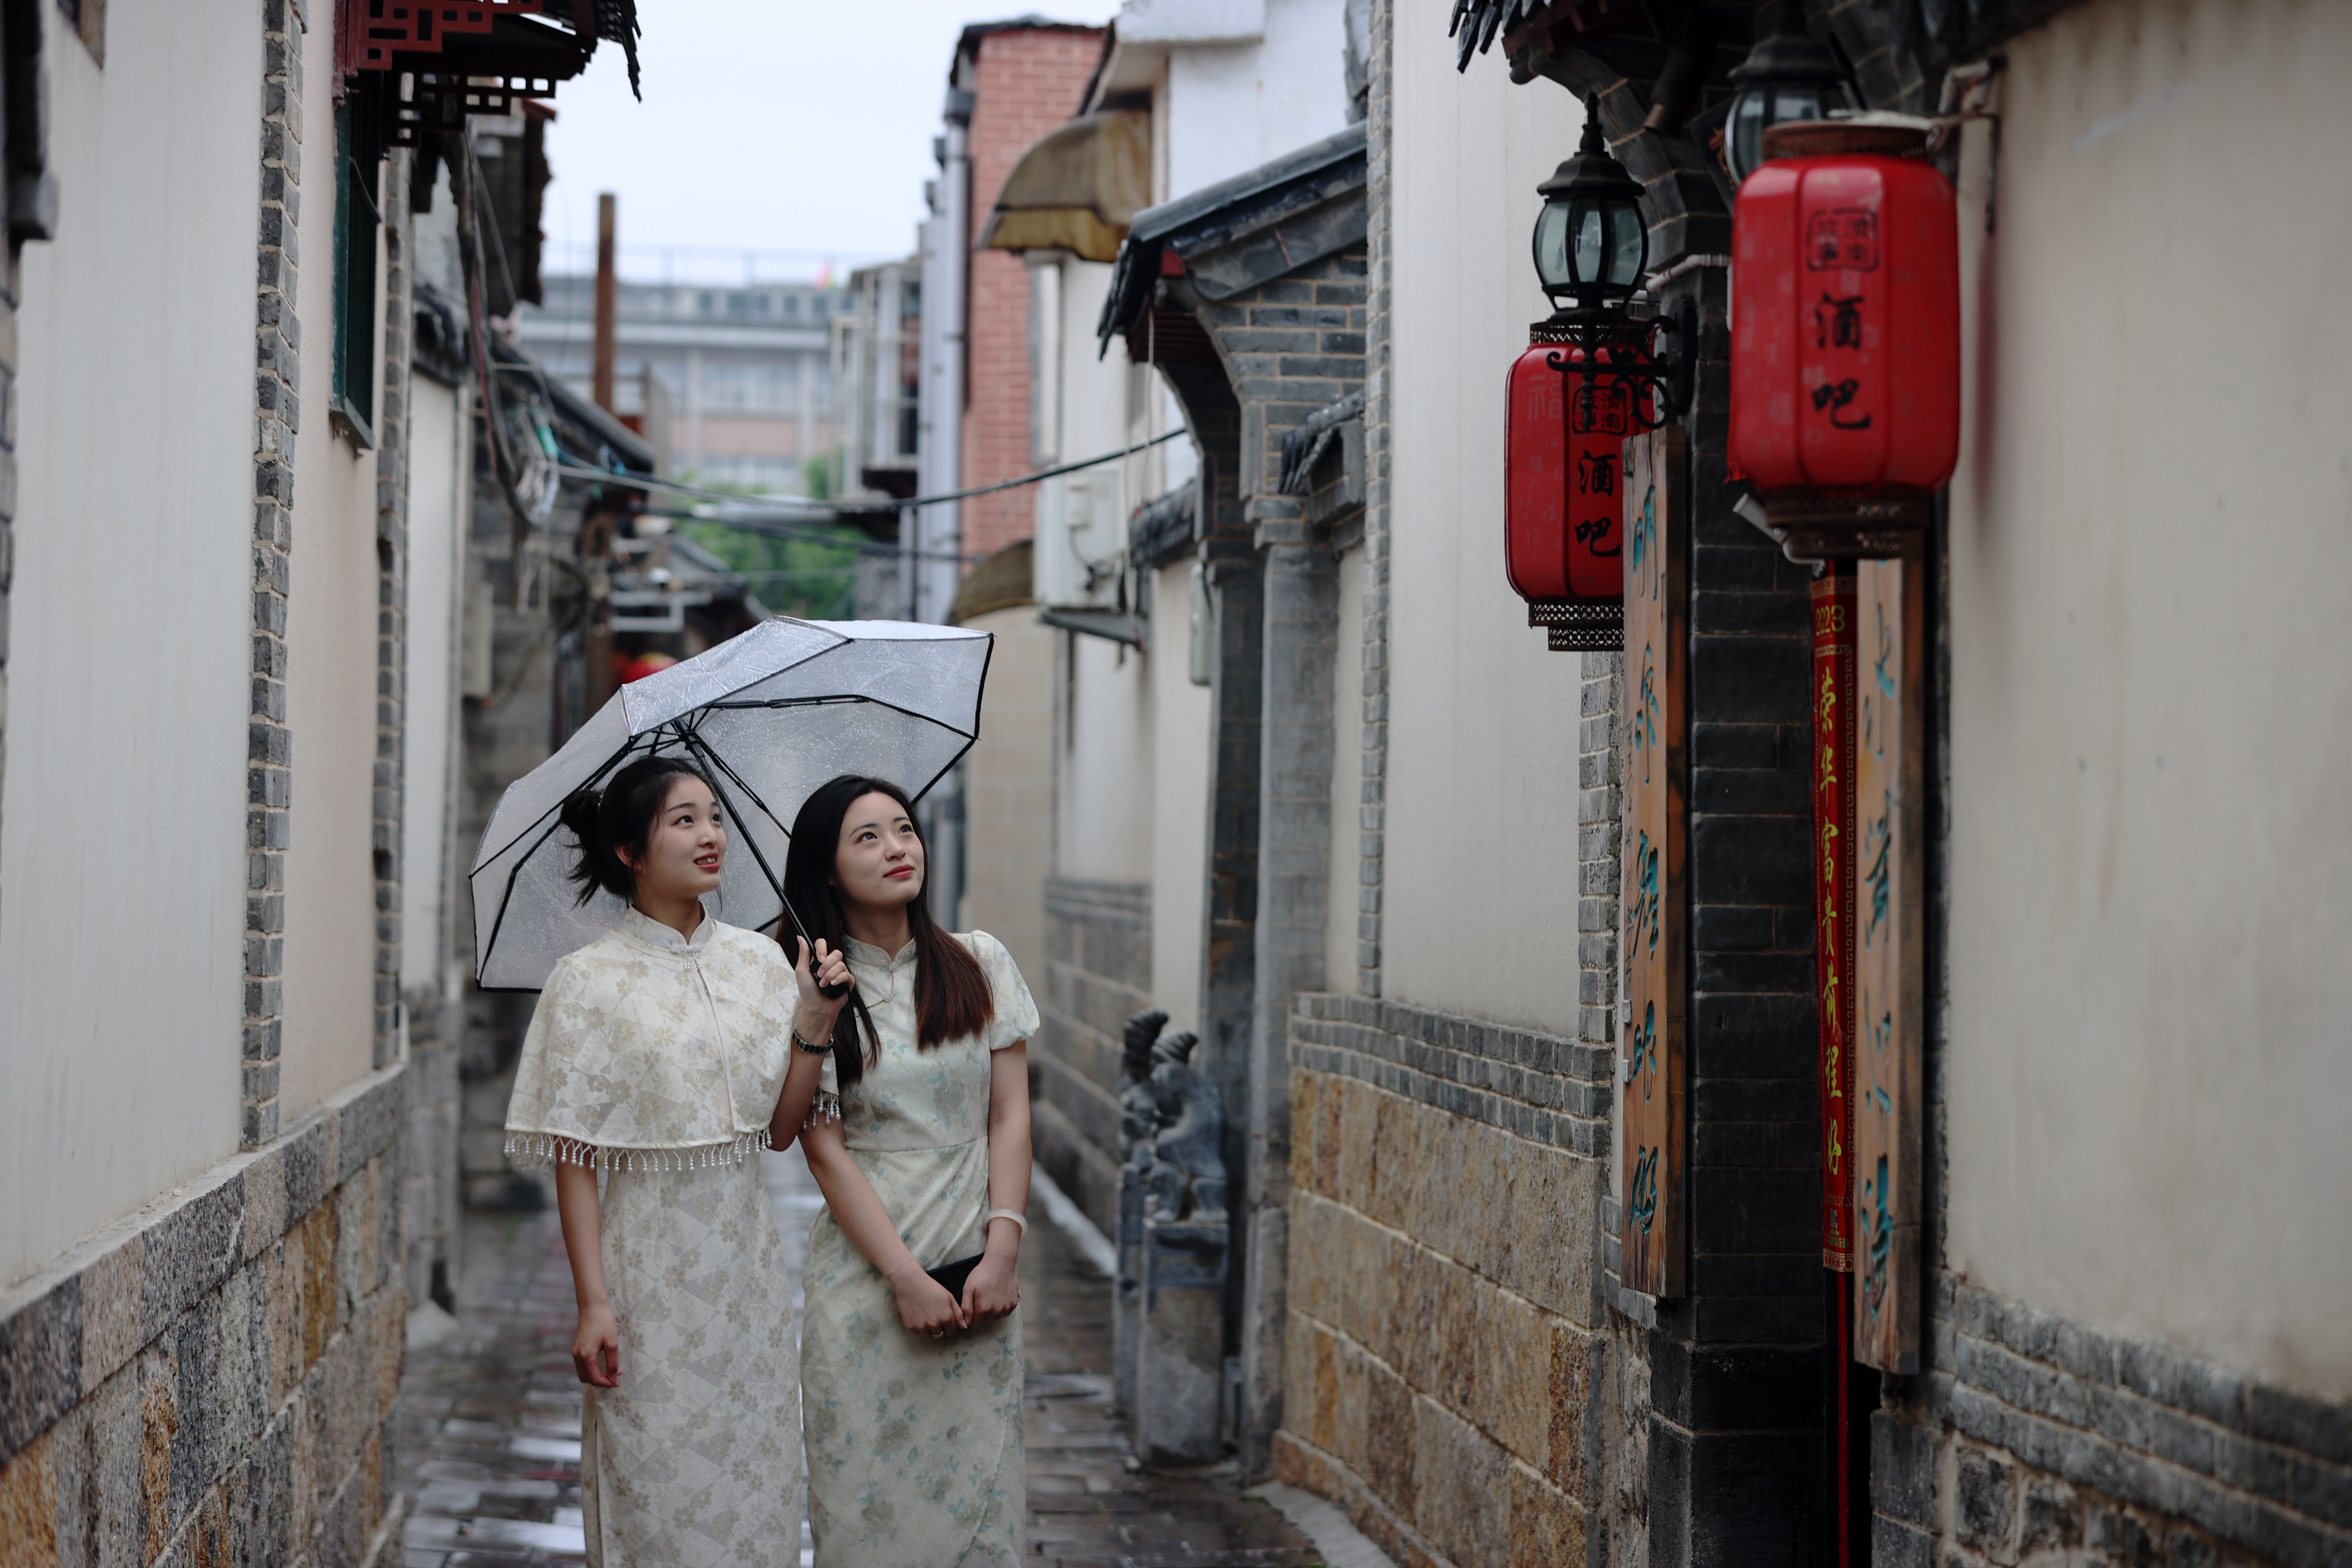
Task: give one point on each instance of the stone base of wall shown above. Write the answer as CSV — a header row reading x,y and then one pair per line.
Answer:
x,y
212,1379
1097,973
430,1185
2036,1440
1444,1352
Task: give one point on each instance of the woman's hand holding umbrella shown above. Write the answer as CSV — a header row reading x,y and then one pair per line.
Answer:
x,y
825,990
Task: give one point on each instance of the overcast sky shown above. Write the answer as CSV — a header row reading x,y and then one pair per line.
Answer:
x,y
775,126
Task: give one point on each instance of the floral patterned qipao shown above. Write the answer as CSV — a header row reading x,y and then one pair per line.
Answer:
x,y
656,1060
914,1445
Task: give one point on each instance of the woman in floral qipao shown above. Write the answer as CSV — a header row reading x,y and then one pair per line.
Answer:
x,y
911,1392
658,1061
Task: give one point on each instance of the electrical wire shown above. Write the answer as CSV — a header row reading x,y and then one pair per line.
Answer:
x,y
648,484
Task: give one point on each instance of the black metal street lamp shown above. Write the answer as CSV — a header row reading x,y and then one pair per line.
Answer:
x,y
1591,248
1789,75
1591,242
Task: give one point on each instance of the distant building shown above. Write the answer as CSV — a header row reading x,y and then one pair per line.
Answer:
x,y
878,367
742,377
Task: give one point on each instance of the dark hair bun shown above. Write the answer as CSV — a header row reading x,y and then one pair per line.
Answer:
x,y
579,814
619,816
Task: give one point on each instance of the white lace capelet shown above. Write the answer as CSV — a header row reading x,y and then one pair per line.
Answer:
x,y
650,1051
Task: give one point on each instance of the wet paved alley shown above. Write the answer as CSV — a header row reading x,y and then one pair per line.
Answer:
x,y
490,1416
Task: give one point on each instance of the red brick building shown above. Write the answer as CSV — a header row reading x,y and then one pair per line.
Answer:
x,y
1027,77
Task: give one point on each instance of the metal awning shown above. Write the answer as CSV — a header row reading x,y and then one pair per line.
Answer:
x,y
1077,190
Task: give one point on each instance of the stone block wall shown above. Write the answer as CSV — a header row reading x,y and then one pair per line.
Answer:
x,y
1097,973
1446,1335
211,1380
2033,1440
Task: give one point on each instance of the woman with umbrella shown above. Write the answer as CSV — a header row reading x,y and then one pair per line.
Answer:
x,y
657,1060
911,1360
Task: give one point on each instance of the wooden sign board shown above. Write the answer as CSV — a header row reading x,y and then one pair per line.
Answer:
x,y
1655,926
1890,812
1833,928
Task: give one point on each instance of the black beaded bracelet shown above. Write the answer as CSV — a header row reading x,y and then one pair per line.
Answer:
x,y
801,1045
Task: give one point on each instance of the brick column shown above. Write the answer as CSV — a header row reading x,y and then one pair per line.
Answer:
x,y
1736,1366
7,478
1372,821
392,603
1299,651
276,416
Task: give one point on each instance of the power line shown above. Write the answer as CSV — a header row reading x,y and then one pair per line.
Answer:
x,y
801,503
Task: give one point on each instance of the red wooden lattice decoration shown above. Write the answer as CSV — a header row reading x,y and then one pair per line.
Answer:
x,y
376,30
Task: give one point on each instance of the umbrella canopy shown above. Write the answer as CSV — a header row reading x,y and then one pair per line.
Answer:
x,y
768,716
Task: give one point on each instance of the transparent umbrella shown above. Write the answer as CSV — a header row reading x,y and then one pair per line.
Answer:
x,y
768,716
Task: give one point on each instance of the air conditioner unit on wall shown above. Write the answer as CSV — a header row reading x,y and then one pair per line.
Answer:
x,y
1081,538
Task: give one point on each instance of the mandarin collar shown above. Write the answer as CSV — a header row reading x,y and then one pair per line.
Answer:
x,y
866,953
653,933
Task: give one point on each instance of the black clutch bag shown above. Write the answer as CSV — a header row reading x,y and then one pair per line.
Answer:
x,y
953,1275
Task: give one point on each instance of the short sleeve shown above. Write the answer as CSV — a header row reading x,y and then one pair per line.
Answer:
x,y
1016,1018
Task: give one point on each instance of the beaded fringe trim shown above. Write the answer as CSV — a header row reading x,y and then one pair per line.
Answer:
x,y
824,1107
532,1150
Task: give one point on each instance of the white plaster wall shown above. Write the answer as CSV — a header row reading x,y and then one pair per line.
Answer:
x,y
2151,725
1341,893
1233,106
1103,794
122,835
1480,878
435,504
330,651
1008,787
1180,801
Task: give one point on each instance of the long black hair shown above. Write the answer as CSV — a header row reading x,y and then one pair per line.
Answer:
x,y
621,816
952,996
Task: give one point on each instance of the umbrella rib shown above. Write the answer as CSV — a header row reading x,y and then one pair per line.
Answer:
x,y
821,701
506,901
556,810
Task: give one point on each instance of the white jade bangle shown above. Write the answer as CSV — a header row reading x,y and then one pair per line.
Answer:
x,y
1006,1213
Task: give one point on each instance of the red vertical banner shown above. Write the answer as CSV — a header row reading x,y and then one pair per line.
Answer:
x,y
1833,705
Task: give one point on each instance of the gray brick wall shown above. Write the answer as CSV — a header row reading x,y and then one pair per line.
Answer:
x,y
392,602
1097,973
270,744
15,278
2029,1433
1371,805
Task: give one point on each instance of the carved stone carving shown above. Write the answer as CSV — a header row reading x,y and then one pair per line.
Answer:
x,y
1139,1116
1169,1343
1186,1177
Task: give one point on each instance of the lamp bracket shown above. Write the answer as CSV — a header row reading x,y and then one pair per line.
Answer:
x,y
1656,361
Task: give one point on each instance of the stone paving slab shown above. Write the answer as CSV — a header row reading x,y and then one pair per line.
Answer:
x,y
488,1418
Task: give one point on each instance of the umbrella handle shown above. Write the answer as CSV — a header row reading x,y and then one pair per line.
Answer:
x,y
711,769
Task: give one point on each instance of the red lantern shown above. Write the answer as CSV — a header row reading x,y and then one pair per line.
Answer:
x,y
1845,317
1564,501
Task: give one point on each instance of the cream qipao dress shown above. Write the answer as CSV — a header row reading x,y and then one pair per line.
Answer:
x,y
914,1445
656,1060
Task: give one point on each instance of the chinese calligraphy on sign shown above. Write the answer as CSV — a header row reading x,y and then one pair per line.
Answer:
x,y
1837,323
1652,930
1888,968
1833,949
1844,239
1835,396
